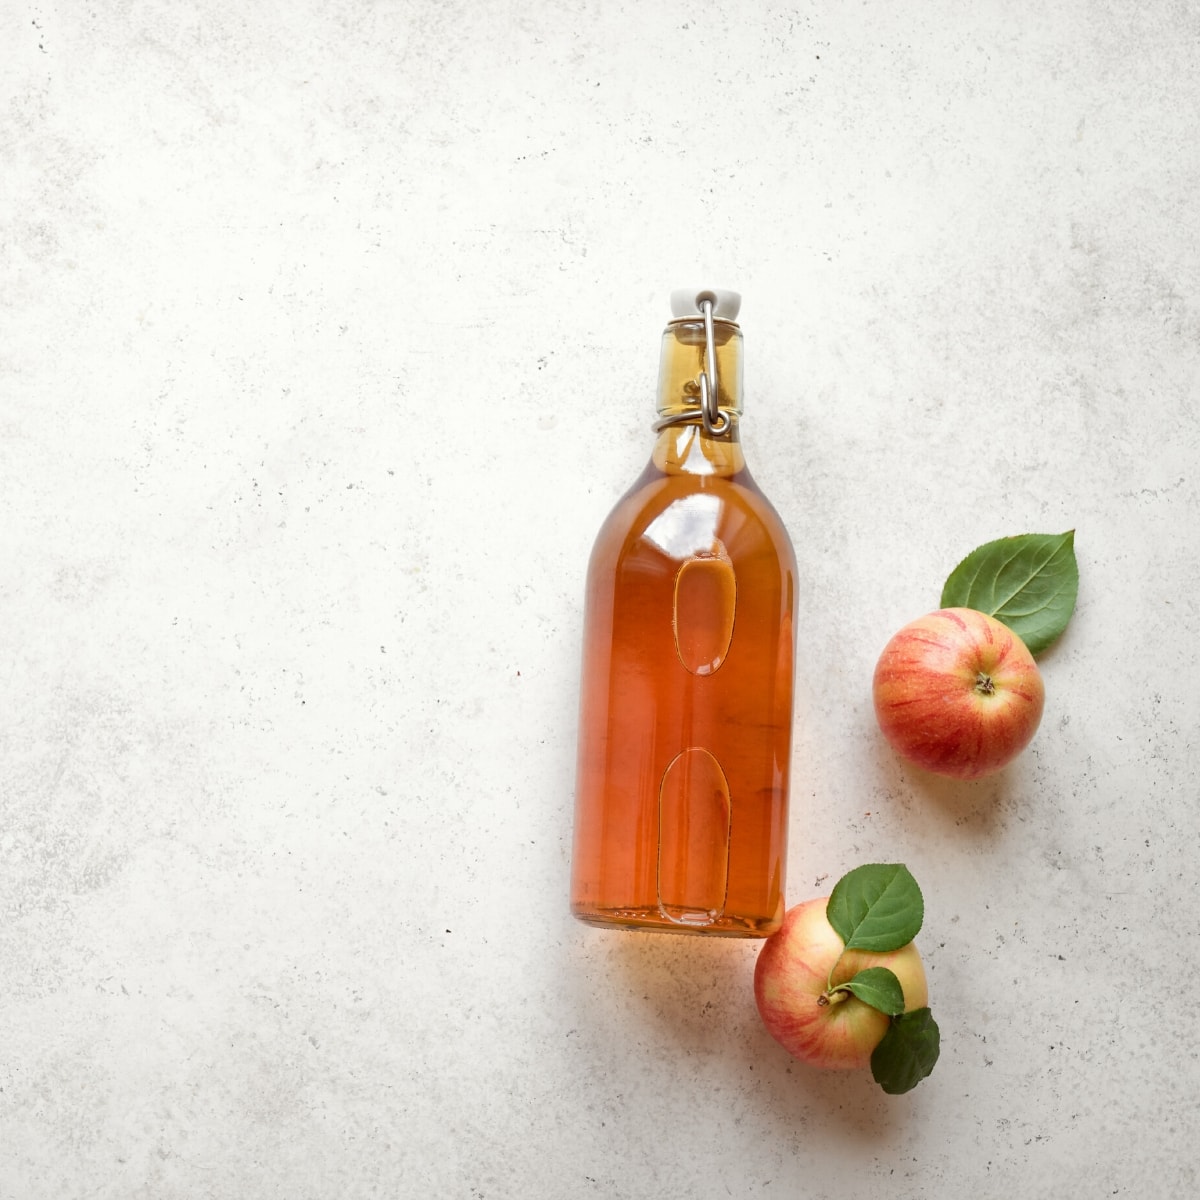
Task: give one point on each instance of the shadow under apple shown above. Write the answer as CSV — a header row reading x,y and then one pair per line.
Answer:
x,y
981,808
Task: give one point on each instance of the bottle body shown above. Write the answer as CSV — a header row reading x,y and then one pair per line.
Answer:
x,y
686,702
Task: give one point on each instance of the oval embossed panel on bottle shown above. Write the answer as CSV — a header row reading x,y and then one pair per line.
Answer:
x,y
693,838
704,608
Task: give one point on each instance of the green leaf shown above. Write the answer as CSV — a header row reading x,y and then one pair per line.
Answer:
x,y
878,987
876,907
1028,582
907,1053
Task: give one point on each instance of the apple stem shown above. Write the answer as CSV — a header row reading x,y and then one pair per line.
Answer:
x,y
829,991
984,685
835,996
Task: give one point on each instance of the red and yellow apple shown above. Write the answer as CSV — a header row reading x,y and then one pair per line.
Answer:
x,y
801,1005
958,693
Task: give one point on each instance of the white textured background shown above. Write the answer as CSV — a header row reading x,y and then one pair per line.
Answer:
x,y
328,334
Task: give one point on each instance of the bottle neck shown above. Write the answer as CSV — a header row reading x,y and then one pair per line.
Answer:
x,y
686,447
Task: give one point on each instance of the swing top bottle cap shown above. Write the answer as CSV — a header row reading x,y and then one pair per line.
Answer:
x,y
685,302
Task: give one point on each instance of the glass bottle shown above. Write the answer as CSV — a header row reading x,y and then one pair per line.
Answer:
x,y
686,697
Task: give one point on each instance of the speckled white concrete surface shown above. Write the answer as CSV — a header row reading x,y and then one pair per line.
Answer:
x,y
329,336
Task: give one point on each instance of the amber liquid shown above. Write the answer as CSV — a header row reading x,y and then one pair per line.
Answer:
x,y
686,709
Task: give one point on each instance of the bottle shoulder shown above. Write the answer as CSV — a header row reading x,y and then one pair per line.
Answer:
x,y
680,515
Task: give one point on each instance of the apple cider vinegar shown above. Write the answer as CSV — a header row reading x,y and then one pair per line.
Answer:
x,y
686,705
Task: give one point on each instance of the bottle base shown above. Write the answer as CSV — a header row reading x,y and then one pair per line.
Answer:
x,y
654,920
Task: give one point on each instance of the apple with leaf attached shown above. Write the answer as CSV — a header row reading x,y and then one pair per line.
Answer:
x,y
958,691
840,984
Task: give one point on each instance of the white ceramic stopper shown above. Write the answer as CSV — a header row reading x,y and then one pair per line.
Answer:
x,y
685,302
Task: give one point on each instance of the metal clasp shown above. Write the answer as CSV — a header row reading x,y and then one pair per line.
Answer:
x,y
715,421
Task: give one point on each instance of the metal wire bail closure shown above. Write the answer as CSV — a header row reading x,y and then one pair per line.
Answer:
x,y
715,421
